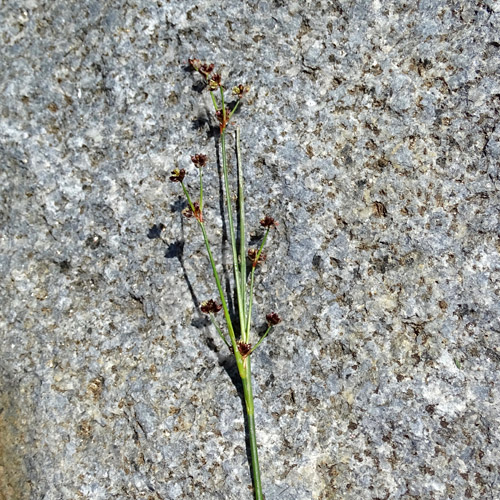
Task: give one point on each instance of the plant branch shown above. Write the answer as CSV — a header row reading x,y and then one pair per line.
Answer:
x,y
269,328
250,300
243,255
248,393
232,232
219,331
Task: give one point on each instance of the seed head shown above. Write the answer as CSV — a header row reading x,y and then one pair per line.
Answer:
x,y
210,306
178,175
197,213
273,319
195,64
240,90
252,255
219,115
268,222
203,68
214,82
206,69
244,349
199,160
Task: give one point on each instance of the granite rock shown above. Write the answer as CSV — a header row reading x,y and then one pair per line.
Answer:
x,y
370,132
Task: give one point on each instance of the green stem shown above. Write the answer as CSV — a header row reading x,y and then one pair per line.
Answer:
x,y
250,300
254,453
241,207
232,232
227,316
249,310
219,288
261,339
186,194
219,331
201,189
214,101
223,106
234,109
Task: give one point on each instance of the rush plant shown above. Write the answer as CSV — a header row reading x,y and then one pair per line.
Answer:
x,y
237,334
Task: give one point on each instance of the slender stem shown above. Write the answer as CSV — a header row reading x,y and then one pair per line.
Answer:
x,y
233,110
261,339
190,203
227,316
223,106
231,231
241,207
249,310
201,188
219,288
254,453
219,331
214,101
250,300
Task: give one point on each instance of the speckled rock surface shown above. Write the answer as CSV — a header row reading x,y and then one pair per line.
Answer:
x,y
371,133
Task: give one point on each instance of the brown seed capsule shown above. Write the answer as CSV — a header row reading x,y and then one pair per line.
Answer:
x,y
199,160
215,81
206,69
188,213
219,115
252,255
268,222
195,64
240,90
210,306
273,319
244,349
178,175
197,213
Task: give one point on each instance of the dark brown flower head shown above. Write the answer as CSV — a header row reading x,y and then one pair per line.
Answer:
x,y
252,255
244,349
178,175
219,115
273,319
199,160
197,214
203,68
240,90
268,222
187,212
214,82
210,306
195,64
206,69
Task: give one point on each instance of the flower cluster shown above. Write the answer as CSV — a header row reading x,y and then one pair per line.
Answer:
x,y
214,81
255,258
240,90
188,212
220,116
273,319
178,175
205,70
202,68
244,349
199,160
268,222
210,306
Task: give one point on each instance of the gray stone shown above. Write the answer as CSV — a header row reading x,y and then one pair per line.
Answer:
x,y
370,133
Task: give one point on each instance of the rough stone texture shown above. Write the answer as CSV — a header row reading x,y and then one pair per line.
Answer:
x,y
371,133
